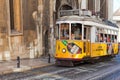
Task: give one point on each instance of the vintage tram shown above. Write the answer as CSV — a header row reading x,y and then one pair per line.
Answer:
x,y
84,38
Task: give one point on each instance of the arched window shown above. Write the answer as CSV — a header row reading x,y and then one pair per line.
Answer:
x,y
66,7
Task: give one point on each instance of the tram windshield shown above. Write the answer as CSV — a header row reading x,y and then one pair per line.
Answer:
x,y
64,31
76,31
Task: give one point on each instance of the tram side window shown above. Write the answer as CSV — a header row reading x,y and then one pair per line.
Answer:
x,y
64,31
101,37
86,32
97,37
105,35
109,38
115,40
76,31
57,31
105,38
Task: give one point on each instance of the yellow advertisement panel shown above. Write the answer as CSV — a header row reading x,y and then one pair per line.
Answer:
x,y
69,49
98,49
115,48
102,49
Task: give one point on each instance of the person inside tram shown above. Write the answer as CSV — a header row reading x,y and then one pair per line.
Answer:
x,y
72,33
101,39
108,39
105,39
77,33
72,36
67,34
64,33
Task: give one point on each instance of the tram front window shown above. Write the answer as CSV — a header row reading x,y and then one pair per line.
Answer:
x,y
64,31
76,31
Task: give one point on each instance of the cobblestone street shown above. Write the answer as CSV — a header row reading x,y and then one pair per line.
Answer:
x,y
105,70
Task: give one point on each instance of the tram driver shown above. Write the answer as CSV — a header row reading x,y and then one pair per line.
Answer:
x,y
76,33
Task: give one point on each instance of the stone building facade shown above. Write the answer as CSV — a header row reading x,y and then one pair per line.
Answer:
x,y
17,28
29,35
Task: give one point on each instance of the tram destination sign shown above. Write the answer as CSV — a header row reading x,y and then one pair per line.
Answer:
x,y
69,12
75,12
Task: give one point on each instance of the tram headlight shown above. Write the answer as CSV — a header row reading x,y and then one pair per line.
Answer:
x,y
63,50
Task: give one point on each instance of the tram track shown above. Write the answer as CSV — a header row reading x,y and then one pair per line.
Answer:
x,y
79,72
105,75
84,71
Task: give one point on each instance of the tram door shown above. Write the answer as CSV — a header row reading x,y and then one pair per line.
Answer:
x,y
87,32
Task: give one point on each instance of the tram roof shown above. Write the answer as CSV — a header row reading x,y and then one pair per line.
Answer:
x,y
87,21
70,18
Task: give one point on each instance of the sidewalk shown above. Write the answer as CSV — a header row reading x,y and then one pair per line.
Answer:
x,y
25,64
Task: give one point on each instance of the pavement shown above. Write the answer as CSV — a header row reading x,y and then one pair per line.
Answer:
x,y
7,67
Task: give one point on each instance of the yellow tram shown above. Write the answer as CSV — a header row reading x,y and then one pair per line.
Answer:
x,y
83,38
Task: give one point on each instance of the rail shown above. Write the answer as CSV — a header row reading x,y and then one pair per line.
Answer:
x,y
69,12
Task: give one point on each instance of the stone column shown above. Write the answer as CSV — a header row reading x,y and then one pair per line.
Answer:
x,y
79,3
97,5
40,30
110,9
51,51
84,4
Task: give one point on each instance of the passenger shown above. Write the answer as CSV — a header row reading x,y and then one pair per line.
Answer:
x,y
105,39
108,39
72,36
101,39
77,33
67,34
